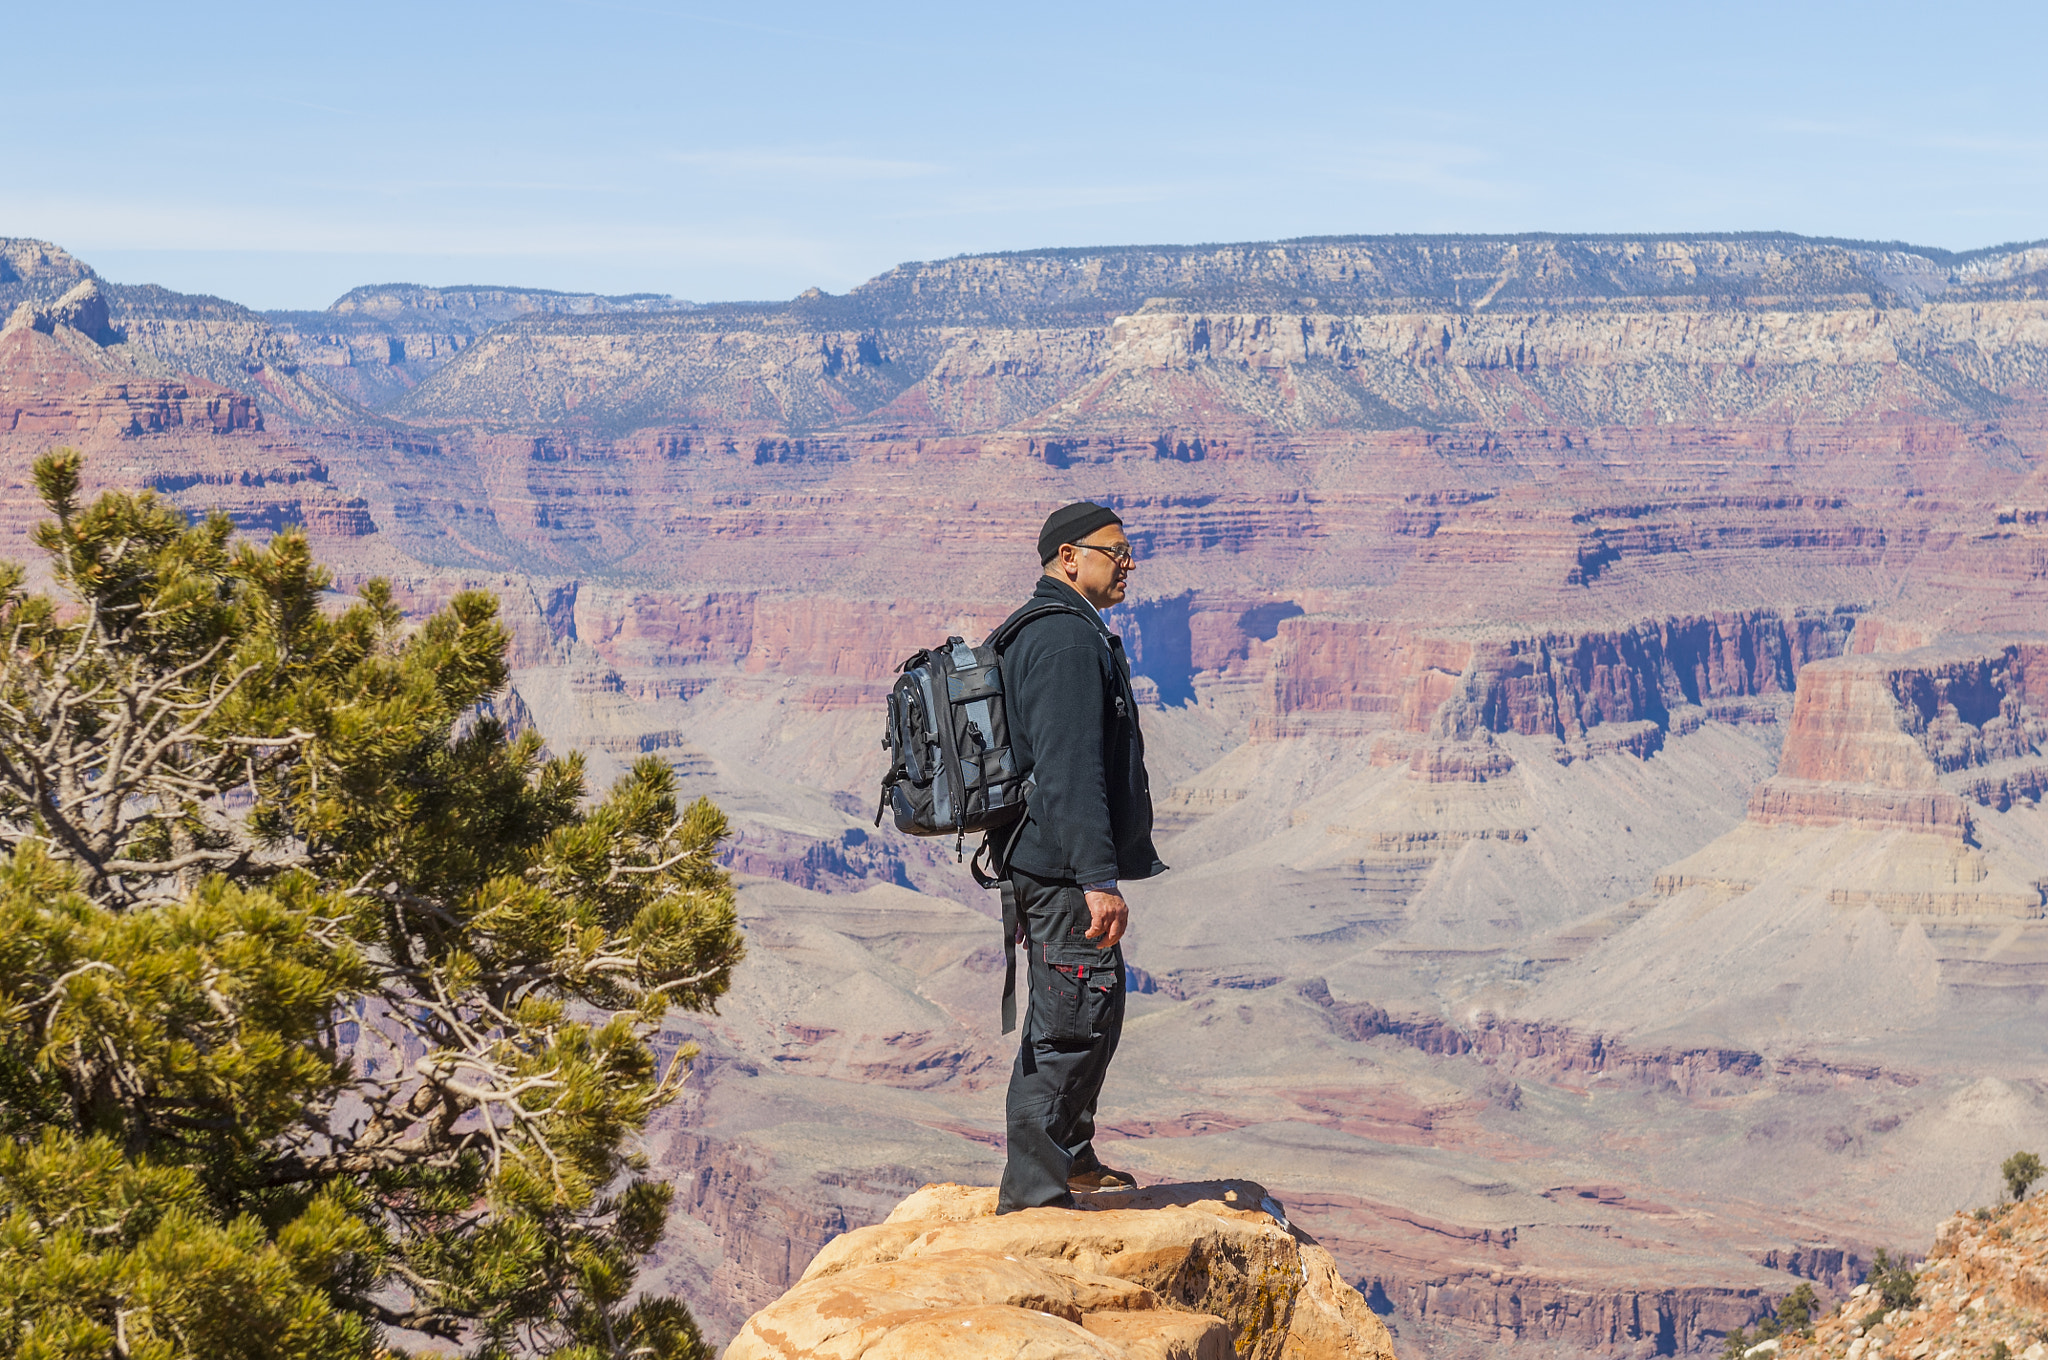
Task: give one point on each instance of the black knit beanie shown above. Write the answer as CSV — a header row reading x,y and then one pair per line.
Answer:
x,y
1071,524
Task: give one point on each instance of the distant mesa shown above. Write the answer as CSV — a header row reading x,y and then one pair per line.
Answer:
x,y
1341,334
1345,334
495,303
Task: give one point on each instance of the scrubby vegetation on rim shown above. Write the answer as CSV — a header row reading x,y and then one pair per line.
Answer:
x,y
324,1001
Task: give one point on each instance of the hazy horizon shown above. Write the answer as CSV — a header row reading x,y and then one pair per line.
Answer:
x,y
113,275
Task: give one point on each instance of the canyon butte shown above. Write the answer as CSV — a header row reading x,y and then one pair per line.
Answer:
x,y
1597,693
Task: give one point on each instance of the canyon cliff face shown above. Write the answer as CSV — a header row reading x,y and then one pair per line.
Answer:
x,y
60,385
1561,685
1914,741
1593,691
1890,878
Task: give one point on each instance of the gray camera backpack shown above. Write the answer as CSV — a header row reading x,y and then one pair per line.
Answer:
x,y
951,767
951,770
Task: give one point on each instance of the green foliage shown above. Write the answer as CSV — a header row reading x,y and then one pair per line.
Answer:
x,y
2020,1171
102,1254
1793,1316
324,999
1796,1311
1999,1350
1893,1283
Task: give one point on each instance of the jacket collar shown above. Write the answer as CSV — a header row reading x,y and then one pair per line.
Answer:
x,y
1052,588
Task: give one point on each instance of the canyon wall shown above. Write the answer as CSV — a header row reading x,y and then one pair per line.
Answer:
x,y
1560,685
1201,382
1912,740
1593,690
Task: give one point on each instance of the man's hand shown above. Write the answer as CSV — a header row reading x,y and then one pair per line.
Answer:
x,y
1107,918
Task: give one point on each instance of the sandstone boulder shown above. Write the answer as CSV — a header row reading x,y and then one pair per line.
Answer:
x,y
1207,1271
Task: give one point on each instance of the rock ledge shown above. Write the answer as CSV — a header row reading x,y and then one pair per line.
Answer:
x,y
1205,1271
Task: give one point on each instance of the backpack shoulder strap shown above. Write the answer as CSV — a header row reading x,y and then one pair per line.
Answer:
x,y
1006,631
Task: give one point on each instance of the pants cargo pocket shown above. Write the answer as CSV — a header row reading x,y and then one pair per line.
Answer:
x,y
1074,990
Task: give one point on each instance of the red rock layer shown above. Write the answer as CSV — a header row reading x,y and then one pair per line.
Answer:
x,y
54,390
1872,737
1790,802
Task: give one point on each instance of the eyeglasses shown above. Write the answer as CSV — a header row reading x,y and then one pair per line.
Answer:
x,y
1120,555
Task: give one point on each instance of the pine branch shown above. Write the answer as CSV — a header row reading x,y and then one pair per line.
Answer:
x,y
439,1323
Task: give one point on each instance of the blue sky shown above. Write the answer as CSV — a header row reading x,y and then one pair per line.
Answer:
x,y
281,153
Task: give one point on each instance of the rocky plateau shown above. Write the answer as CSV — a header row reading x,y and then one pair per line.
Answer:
x,y
1597,699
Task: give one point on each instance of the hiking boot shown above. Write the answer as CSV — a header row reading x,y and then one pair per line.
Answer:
x,y
1101,1178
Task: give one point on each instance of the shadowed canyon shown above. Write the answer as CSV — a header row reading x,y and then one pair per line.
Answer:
x,y
1596,692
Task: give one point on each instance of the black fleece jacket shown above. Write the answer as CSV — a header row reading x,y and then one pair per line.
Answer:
x,y
1074,723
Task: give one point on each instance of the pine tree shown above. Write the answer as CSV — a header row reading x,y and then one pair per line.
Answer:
x,y
2020,1171
1892,1282
325,1000
1796,1310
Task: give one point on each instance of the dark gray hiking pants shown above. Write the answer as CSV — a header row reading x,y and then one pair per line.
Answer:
x,y
1075,1016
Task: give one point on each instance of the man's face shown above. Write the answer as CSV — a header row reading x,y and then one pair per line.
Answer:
x,y
1099,566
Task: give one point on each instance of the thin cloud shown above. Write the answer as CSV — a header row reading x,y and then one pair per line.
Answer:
x,y
1822,127
717,21
1444,169
393,188
804,165
144,223
318,108
2006,146
1047,198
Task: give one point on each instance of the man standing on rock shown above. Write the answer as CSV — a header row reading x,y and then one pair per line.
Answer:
x,y
1087,826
